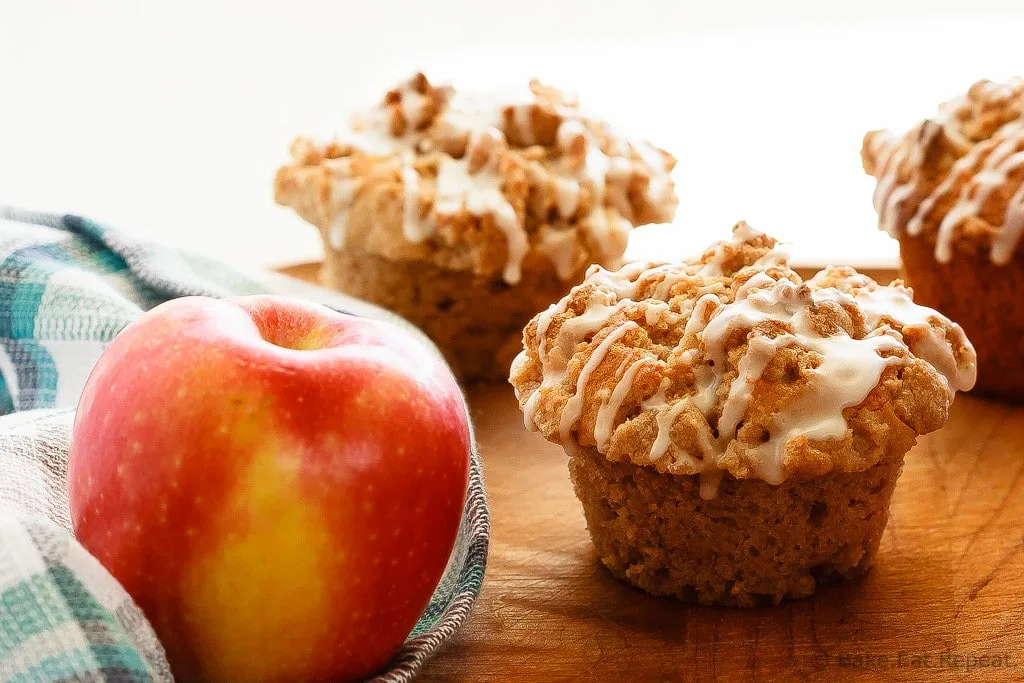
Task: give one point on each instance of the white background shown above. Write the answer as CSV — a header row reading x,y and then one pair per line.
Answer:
x,y
170,119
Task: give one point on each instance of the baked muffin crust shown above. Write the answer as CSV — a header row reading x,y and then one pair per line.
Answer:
x,y
486,181
731,363
956,178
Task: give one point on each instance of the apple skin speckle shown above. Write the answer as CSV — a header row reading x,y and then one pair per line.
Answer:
x,y
264,468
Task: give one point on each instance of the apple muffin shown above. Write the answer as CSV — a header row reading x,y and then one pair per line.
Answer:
x,y
735,433
468,213
951,190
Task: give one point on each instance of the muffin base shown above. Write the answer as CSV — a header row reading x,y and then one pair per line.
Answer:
x,y
754,543
476,322
985,299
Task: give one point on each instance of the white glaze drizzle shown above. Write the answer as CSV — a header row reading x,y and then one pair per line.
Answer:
x,y
609,409
617,178
336,229
658,187
574,406
524,125
560,248
889,194
995,171
1004,155
1013,225
412,227
760,351
567,196
665,418
594,171
413,105
848,368
480,193
891,303
342,192
476,114
572,331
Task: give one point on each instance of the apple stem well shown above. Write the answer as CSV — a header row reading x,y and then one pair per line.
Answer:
x,y
290,328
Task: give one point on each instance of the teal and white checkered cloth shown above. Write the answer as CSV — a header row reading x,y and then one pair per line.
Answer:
x,y
67,287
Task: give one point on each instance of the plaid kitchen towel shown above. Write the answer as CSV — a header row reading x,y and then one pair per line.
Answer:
x,y
68,285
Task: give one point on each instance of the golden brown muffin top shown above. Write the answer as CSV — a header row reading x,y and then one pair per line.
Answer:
x,y
484,181
956,178
732,363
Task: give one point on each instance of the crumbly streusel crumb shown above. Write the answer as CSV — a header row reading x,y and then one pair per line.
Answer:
x,y
482,182
957,177
732,363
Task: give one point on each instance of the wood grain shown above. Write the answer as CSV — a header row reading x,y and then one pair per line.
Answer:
x,y
948,581
949,578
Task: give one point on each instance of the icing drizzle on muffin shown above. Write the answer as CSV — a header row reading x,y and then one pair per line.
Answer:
x,y
533,167
957,175
731,363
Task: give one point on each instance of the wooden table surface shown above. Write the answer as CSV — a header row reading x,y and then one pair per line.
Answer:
x,y
944,601
948,580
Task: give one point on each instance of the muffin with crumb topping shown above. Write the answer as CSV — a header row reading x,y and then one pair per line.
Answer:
x,y
734,433
951,190
468,213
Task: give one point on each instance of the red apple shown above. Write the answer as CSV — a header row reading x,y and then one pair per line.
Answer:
x,y
278,485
